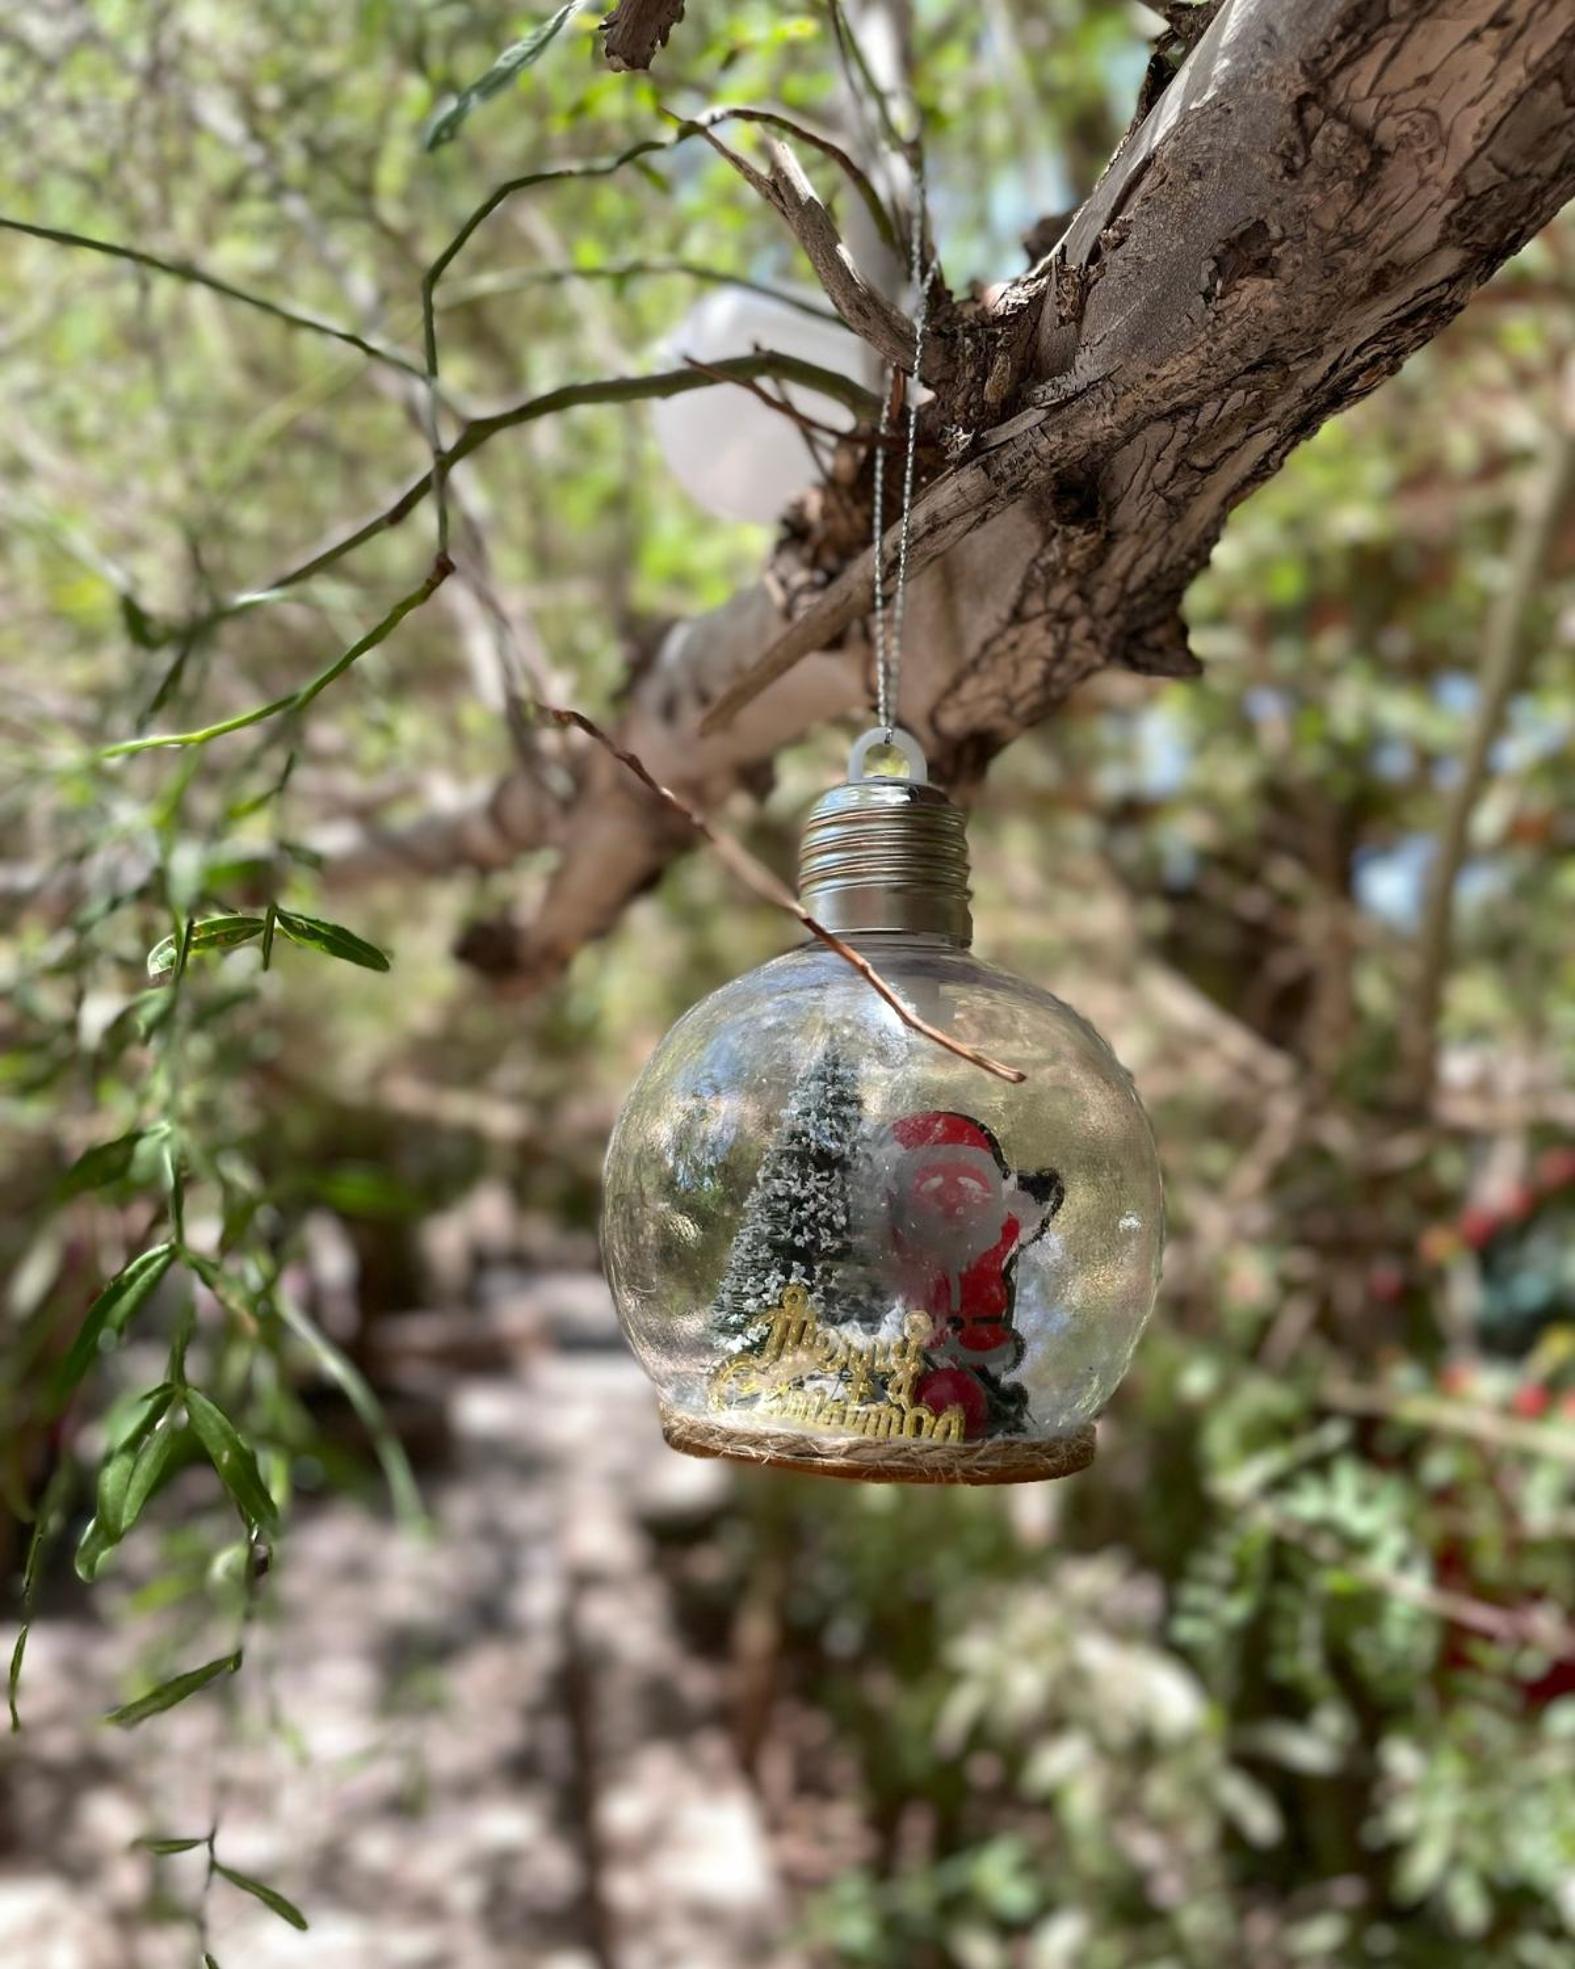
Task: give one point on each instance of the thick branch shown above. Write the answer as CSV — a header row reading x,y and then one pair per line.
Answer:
x,y
1314,194
1310,201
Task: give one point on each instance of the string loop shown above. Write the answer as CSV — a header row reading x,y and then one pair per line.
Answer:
x,y
888,641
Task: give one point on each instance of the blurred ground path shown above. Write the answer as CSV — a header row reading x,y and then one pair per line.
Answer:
x,y
505,1755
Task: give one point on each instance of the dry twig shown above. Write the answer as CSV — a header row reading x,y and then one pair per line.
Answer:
x,y
787,190
755,875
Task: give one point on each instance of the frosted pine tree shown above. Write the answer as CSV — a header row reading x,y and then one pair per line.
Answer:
x,y
797,1226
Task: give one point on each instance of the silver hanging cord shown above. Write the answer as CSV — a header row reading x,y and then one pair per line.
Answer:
x,y
888,644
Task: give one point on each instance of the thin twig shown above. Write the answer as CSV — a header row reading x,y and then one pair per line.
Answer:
x,y
480,430
787,190
443,462
1508,653
1447,1416
853,58
770,888
297,700
783,405
1533,1626
199,277
817,140
507,281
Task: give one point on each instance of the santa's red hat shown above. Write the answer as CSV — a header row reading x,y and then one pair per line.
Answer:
x,y
942,1130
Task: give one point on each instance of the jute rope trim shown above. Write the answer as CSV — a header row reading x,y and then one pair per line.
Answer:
x,y
1009,1461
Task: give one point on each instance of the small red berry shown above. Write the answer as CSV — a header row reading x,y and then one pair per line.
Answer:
x,y
1555,1169
1477,1225
1386,1281
1531,1400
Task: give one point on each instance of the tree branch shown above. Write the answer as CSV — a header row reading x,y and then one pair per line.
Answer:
x,y
1203,315
787,190
479,431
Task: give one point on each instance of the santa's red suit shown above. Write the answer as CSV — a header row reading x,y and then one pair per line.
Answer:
x,y
957,1219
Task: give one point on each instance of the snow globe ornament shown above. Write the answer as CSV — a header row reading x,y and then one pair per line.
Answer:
x,y
837,1245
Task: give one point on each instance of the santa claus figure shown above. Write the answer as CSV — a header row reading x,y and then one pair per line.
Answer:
x,y
958,1218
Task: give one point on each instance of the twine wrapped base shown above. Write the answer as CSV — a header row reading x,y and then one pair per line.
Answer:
x,y
1010,1460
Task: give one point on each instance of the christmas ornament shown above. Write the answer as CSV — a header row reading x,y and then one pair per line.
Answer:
x,y
837,1246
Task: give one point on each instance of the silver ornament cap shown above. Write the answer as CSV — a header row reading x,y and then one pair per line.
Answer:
x,y
885,851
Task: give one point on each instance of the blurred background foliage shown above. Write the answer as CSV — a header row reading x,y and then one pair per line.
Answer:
x,y
1289,1677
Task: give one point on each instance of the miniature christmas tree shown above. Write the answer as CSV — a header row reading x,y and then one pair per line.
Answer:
x,y
797,1223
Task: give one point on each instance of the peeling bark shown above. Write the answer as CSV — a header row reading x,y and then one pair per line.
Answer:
x,y
635,29
1315,193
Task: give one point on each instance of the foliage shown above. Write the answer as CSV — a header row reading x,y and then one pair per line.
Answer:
x,y
1285,1680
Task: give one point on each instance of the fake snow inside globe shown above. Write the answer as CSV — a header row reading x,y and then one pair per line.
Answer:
x,y
837,1246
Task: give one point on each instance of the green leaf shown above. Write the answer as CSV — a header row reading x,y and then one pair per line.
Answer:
x,y
514,60
332,939
397,1472
213,933
143,629
153,1460
51,1516
97,1168
236,1465
209,1961
110,1313
112,1517
152,1844
176,1690
269,1896
14,1677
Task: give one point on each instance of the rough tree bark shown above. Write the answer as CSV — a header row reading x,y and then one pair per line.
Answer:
x,y
1314,195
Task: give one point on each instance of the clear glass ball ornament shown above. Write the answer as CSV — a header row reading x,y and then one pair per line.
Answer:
x,y
835,1244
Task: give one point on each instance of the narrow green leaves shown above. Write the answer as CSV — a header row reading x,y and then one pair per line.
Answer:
x,y
176,1690
514,60
270,1897
110,1314
111,1161
108,1162
234,1462
213,933
13,1681
358,1392
51,1516
331,939
152,1844
125,1482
